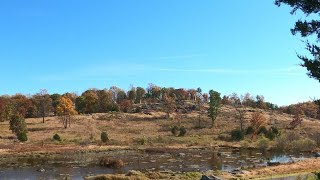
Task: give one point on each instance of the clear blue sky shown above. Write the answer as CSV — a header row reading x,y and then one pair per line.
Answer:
x,y
73,45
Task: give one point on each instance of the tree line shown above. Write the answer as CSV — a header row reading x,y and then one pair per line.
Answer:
x,y
43,104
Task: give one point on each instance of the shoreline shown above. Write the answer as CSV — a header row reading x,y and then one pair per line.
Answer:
x,y
303,167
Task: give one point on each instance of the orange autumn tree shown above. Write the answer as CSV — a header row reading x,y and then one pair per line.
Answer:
x,y
257,120
65,109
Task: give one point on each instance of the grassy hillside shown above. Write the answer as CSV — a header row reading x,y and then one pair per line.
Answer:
x,y
147,130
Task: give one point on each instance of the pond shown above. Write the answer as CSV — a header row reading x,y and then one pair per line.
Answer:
x,y
79,165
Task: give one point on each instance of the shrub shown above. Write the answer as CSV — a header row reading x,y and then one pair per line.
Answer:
x,y
270,135
22,137
175,130
237,135
245,144
316,138
125,105
263,143
56,137
183,131
18,124
138,110
281,143
193,175
141,141
104,137
115,108
249,130
317,175
224,137
292,136
291,142
275,130
304,144
263,130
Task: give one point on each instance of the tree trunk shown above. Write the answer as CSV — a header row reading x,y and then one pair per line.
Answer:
x,y
65,121
212,123
254,135
43,119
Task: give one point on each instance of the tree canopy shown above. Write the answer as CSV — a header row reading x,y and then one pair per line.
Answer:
x,y
307,28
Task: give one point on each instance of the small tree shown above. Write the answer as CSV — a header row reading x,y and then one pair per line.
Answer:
x,y
104,137
19,127
43,103
170,104
237,103
65,109
56,137
257,120
200,102
214,106
125,105
297,120
140,93
183,131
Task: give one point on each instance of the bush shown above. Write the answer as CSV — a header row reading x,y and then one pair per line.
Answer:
x,y
281,143
304,144
291,142
316,138
263,143
22,137
275,130
270,135
138,110
237,135
263,130
292,136
56,137
18,124
175,130
141,141
224,137
115,108
317,175
249,130
183,131
104,137
245,144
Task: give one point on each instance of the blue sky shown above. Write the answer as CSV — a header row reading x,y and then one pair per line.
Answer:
x,y
243,46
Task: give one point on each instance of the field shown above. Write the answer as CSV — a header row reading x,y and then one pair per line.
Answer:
x,y
142,131
139,129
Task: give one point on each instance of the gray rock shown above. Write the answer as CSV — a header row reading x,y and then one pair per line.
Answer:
x,y
204,177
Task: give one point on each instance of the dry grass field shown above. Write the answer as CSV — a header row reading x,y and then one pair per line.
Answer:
x,y
136,130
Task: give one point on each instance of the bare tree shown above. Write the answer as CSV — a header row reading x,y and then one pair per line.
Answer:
x,y
238,103
200,103
43,103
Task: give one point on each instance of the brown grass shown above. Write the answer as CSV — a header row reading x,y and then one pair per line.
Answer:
x,y
308,166
126,129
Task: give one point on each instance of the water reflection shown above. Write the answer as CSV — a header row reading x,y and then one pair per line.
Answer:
x,y
78,165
